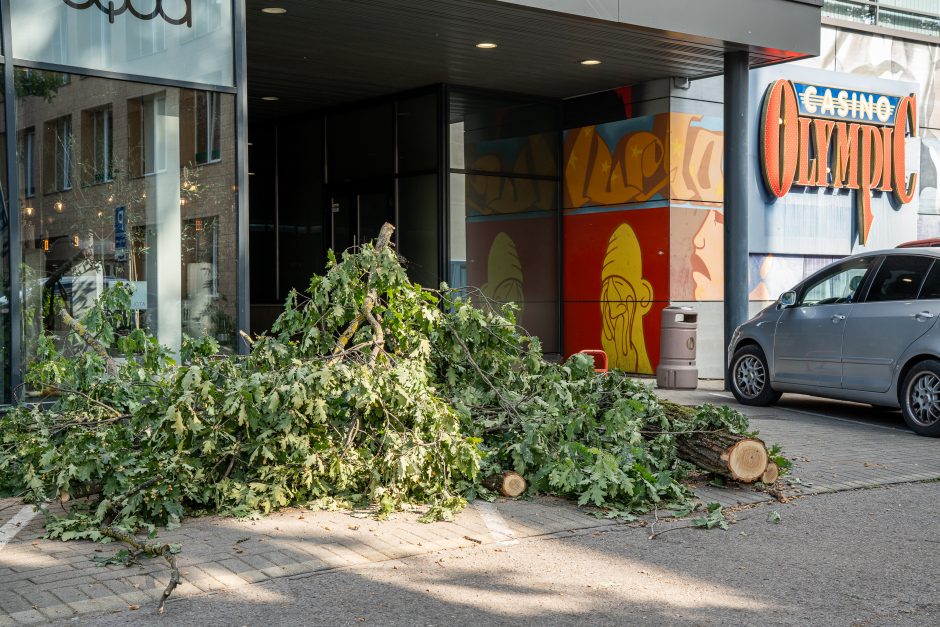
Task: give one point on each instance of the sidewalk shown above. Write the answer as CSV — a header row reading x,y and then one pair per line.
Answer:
x,y
42,580
834,445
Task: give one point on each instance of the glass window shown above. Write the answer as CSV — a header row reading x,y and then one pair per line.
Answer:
x,y
899,278
97,145
28,163
146,116
504,210
57,158
417,133
208,126
361,143
170,234
930,290
851,11
418,227
838,285
909,22
174,39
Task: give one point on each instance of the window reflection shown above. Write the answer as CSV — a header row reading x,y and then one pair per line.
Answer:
x,y
137,184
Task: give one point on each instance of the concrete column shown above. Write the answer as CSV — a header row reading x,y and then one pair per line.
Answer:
x,y
735,195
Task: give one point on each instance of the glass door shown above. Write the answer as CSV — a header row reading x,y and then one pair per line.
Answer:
x,y
358,213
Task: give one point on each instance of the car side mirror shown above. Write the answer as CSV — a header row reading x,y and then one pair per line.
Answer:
x,y
787,299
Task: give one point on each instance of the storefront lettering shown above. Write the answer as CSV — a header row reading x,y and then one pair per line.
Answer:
x,y
799,148
112,9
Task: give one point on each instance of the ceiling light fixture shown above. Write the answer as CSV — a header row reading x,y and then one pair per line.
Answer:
x,y
270,98
486,45
590,62
274,10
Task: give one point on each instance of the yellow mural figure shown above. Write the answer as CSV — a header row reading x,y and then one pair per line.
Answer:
x,y
626,297
504,278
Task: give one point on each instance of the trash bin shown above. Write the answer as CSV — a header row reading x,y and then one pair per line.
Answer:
x,y
677,369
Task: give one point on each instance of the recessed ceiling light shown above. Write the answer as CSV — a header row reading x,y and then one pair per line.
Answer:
x,y
590,62
274,10
486,45
270,98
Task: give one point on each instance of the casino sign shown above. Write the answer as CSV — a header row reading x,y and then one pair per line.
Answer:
x,y
815,136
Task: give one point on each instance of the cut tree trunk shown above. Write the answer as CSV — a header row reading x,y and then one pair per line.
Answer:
x,y
771,474
507,483
741,459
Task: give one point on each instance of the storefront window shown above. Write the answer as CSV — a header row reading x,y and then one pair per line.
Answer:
x,y
504,207
125,195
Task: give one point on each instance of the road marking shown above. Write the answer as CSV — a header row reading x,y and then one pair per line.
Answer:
x,y
828,417
16,524
495,522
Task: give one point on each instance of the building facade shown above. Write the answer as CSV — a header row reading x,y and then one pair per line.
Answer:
x,y
564,156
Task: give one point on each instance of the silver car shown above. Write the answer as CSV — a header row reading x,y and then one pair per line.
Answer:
x,y
862,329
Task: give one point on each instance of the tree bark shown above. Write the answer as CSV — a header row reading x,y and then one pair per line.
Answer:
x,y
723,453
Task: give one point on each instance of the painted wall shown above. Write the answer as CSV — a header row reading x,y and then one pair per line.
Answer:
x,y
642,225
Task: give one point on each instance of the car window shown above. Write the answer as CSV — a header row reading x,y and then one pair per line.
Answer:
x,y
838,285
931,287
899,278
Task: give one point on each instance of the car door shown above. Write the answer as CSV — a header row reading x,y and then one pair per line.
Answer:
x,y
888,320
808,336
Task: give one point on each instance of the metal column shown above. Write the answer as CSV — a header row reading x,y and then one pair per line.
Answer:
x,y
243,289
15,257
735,198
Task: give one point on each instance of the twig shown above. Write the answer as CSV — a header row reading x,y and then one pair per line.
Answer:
x,y
506,404
153,550
659,533
231,463
86,397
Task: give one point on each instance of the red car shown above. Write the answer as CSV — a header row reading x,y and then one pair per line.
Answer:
x,y
921,243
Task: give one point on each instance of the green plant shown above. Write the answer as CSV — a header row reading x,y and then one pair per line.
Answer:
x,y
369,391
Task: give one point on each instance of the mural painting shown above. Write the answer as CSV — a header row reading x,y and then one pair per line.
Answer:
x,y
617,283
642,225
515,260
696,271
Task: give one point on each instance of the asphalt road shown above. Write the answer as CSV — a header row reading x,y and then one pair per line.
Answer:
x,y
867,557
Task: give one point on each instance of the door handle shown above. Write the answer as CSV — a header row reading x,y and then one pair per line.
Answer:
x,y
836,319
923,315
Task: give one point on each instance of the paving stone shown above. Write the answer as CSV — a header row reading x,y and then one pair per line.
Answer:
x,y
29,617
68,594
11,602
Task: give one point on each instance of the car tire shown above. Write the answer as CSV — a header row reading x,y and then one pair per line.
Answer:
x,y
920,398
750,377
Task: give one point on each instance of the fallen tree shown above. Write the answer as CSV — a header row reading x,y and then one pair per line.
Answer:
x,y
369,391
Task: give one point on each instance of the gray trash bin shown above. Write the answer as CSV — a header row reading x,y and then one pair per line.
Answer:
x,y
677,369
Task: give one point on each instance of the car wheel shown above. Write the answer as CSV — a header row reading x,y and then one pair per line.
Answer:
x,y
750,377
920,398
